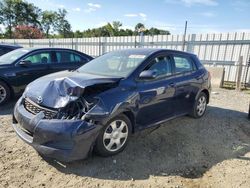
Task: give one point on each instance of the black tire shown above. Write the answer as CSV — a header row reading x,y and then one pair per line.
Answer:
x,y
100,147
4,93
196,113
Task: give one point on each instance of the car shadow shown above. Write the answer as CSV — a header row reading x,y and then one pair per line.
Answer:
x,y
185,147
7,109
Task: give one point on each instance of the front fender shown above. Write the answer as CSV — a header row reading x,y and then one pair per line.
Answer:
x,y
109,107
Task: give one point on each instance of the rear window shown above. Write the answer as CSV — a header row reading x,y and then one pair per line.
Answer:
x,y
183,64
4,50
68,57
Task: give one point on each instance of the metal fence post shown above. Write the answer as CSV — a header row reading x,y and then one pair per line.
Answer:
x,y
249,112
190,43
100,45
30,43
76,43
239,74
72,43
135,42
103,45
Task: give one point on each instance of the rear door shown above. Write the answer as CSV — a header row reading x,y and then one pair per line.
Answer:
x,y
67,60
187,82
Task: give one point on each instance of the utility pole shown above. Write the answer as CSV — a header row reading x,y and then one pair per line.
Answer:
x,y
184,36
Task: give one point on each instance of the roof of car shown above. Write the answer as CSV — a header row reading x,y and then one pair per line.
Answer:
x,y
145,51
54,48
47,48
148,51
10,45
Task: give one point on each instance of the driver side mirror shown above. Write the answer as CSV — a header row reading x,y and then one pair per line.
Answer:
x,y
148,75
25,63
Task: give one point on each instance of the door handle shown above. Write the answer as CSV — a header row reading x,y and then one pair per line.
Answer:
x,y
172,84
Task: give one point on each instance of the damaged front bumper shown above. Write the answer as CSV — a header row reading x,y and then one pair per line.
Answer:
x,y
64,140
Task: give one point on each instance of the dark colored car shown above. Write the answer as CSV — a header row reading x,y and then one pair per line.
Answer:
x,y
67,114
6,48
20,67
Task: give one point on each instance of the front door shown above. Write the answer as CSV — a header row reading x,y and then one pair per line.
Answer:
x,y
156,96
38,67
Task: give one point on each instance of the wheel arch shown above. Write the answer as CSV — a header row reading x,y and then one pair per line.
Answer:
x,y
206,92
9,86
131,117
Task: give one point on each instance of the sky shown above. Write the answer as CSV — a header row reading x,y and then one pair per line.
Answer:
x,y
203,16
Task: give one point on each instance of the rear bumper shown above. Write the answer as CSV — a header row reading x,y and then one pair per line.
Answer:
x,y
64,140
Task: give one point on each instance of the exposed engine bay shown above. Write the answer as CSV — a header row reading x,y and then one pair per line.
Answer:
x,y
78,100
78,108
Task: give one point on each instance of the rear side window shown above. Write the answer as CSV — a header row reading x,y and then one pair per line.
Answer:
x,y
42,57
68,57
161,65
183,64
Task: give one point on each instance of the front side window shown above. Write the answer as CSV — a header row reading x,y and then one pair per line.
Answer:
x,y
161,66
183,64
39,58
67,57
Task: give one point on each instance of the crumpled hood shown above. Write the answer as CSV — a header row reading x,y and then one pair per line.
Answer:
x,y
58,89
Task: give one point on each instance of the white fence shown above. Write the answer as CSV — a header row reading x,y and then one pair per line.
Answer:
x,y
224,48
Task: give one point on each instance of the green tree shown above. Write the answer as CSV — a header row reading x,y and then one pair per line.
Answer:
x,y
18,12
109,28
78,34
28,14
63,26
48,21
7,15
139,27
116,27
155,31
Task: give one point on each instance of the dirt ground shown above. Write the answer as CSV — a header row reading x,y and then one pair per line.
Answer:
x,y
210,152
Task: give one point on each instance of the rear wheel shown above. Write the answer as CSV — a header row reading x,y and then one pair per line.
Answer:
x,y
4,93
114,136
200,106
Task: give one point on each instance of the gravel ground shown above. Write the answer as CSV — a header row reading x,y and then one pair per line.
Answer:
x,y
210,152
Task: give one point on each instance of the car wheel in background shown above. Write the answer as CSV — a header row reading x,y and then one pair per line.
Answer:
x,y
4,93
114,136
200,106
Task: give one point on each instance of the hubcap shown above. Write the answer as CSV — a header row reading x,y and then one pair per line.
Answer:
x,y
201,106
115,135
2,93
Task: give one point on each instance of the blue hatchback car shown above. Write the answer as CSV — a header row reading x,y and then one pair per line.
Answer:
x,y
68,114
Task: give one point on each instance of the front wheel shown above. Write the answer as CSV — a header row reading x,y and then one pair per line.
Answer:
x,y
113,138
200,106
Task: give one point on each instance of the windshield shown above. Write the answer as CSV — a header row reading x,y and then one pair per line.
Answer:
x,y
12,56
117,64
